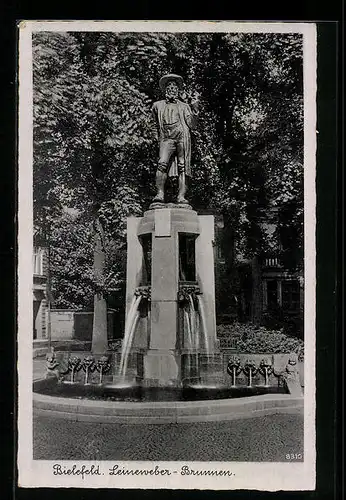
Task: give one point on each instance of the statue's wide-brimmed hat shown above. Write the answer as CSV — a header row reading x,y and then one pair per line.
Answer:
x,y
166,79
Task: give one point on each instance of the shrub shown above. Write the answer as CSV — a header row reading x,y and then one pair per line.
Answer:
x,y
257,340
291,324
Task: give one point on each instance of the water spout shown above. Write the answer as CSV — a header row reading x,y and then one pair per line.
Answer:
x,y
203,323
126,358
188,327
194,331
130,327
193,322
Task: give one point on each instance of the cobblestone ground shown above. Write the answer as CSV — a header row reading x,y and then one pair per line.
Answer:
x,y
39,368
266,438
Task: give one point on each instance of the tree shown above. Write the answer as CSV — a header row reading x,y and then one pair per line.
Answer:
x,y
251,88
96,151
89,131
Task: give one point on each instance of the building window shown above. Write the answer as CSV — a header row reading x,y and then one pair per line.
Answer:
x,y
40,261
272,294
37,262
290,295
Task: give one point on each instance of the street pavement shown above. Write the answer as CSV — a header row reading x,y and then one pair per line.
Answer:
x,y
267,438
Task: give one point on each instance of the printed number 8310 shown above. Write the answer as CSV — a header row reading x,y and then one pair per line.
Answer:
x,y
294,456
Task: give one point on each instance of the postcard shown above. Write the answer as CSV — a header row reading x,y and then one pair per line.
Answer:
x,y
166,271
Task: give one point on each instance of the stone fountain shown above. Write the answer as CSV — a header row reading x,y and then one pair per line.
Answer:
x,y
169,349
170,299
170,266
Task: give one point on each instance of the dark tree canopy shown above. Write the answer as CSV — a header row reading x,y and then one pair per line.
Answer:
x,y
95,149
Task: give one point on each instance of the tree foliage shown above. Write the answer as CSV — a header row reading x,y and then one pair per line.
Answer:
x,y
95,149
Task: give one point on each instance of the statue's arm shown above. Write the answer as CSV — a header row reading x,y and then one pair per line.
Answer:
x,y
191,116
154,120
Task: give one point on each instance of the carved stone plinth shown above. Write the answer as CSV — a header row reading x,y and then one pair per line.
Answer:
x,y
161,368
159,334
157,205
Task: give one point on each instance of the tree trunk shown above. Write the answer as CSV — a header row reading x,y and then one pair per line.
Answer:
x,y
227,289
99,335
256,306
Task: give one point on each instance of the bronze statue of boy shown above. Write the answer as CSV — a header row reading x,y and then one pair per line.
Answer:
x,y
174,120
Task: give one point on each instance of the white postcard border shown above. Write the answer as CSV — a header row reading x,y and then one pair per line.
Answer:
x,y
261,476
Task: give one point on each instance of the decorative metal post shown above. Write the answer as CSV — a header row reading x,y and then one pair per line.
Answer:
x,y
233,369
250,369
102,366
74,364
88,366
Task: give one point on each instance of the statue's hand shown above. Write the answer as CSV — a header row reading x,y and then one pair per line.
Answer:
x,y
195,102
195,106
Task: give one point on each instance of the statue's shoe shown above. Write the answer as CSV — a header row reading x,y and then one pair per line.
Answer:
x,y
157,203
182,201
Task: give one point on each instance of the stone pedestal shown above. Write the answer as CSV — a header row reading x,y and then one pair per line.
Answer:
x,y
134,271
161,368
162,361
158,334
205,273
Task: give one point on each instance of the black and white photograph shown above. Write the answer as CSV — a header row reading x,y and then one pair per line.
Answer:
x,y
166,306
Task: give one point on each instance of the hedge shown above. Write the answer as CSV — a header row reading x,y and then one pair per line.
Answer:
x,y
257,340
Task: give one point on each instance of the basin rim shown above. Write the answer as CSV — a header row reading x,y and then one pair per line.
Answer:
x,y
163,412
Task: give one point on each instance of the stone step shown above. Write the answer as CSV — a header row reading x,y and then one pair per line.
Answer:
x,y
71,345
40,343
39,352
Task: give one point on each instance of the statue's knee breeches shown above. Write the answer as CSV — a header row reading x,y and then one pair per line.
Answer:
x,y
167,148
162,167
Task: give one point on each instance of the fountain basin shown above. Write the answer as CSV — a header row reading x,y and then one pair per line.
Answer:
x,y
129,391
147,406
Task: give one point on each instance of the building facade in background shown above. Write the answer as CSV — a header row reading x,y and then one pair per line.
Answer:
x,y
261,289
40,303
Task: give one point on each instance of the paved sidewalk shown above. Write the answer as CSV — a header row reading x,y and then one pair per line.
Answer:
x,y
266,438
39,368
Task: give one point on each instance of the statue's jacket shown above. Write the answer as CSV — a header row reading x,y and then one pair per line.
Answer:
x,y
188,121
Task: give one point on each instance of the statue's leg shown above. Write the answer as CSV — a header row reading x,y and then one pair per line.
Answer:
x,y
182,176
182,188
161,173
161,177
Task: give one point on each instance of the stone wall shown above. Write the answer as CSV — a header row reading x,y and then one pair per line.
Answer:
x,y
67,324
62,324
